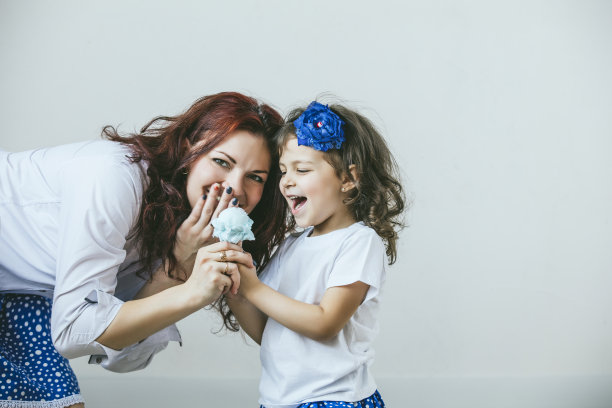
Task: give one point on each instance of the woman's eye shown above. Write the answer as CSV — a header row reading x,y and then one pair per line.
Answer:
x,y
221,162
257,178
302,170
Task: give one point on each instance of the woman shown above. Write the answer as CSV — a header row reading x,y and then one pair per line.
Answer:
x,y
99,241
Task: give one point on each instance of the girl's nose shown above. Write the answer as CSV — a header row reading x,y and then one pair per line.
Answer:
x,y
286,180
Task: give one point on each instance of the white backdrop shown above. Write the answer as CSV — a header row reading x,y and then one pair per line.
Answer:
x,y
499,112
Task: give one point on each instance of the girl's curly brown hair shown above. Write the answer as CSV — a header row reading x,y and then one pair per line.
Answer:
x,y
378,199
164,145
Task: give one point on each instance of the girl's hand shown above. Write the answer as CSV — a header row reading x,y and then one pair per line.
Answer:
x,y
248,277
214,275
196,231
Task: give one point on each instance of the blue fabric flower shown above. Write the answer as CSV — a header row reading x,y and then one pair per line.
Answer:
x,y
319,128
233,225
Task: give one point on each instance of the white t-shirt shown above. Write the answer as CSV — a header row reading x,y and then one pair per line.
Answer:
x,y
297,369
67,216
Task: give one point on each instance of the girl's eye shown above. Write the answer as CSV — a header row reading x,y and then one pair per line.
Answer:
x,y
303,170
221,163
257,178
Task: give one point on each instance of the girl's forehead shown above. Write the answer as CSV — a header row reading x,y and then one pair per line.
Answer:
x,y
293,152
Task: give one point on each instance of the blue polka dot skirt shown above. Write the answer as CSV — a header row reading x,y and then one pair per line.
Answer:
x,y
32,373
373,401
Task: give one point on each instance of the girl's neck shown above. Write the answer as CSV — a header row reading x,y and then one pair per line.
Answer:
x,y
333,224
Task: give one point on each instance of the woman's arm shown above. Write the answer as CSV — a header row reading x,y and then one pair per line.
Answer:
x,y
138,319
101,198
318,322
159,282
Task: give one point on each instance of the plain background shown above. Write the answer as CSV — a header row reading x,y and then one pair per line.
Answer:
x,y
499,113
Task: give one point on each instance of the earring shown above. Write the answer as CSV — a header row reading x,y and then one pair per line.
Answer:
x,y
343,189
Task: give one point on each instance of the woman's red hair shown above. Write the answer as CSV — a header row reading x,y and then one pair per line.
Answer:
x,y
165,145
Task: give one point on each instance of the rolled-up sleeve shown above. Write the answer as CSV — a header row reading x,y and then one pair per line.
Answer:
x,y
100,201
134,357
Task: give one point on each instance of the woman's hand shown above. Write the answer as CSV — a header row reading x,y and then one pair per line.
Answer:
x,y
159,306
196,231
215,272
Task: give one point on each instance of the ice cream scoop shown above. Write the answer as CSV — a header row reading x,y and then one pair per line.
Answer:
x,y
233,225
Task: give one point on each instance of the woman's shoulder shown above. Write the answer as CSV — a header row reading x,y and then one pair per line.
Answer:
x,y
101,151
102,157
102,178
102,171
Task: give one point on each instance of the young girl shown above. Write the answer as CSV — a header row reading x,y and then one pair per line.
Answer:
x,y
314,307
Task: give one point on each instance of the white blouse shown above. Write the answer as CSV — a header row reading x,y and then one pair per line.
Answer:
x,y
67,219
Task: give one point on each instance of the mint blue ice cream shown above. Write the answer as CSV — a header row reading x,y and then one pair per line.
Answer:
x,y
233,225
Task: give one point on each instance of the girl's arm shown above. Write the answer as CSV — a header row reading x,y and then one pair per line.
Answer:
x,y
318,322
251,319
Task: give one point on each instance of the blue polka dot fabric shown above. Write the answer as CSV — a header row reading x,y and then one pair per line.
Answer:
x,y
31,369
373,401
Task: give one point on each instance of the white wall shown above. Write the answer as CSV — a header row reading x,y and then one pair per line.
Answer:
x,y
500,114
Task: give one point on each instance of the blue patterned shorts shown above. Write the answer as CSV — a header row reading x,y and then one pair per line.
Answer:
x,y
31,369
373,401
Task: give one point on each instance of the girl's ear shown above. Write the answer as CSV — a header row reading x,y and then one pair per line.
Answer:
x,y
350,181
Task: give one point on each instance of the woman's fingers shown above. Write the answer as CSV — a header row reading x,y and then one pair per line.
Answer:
x,y
224,258
224,201
225,284
231,271
239,257
227,277
216,248
217,200
225,251
196,212
209,206
212,279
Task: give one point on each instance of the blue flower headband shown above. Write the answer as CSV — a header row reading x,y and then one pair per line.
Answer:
x,y
319,128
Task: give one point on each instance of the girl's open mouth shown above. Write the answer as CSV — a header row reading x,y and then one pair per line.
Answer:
x,y
297,202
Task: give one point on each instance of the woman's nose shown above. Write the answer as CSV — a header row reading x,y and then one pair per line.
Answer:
x,y
236,182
